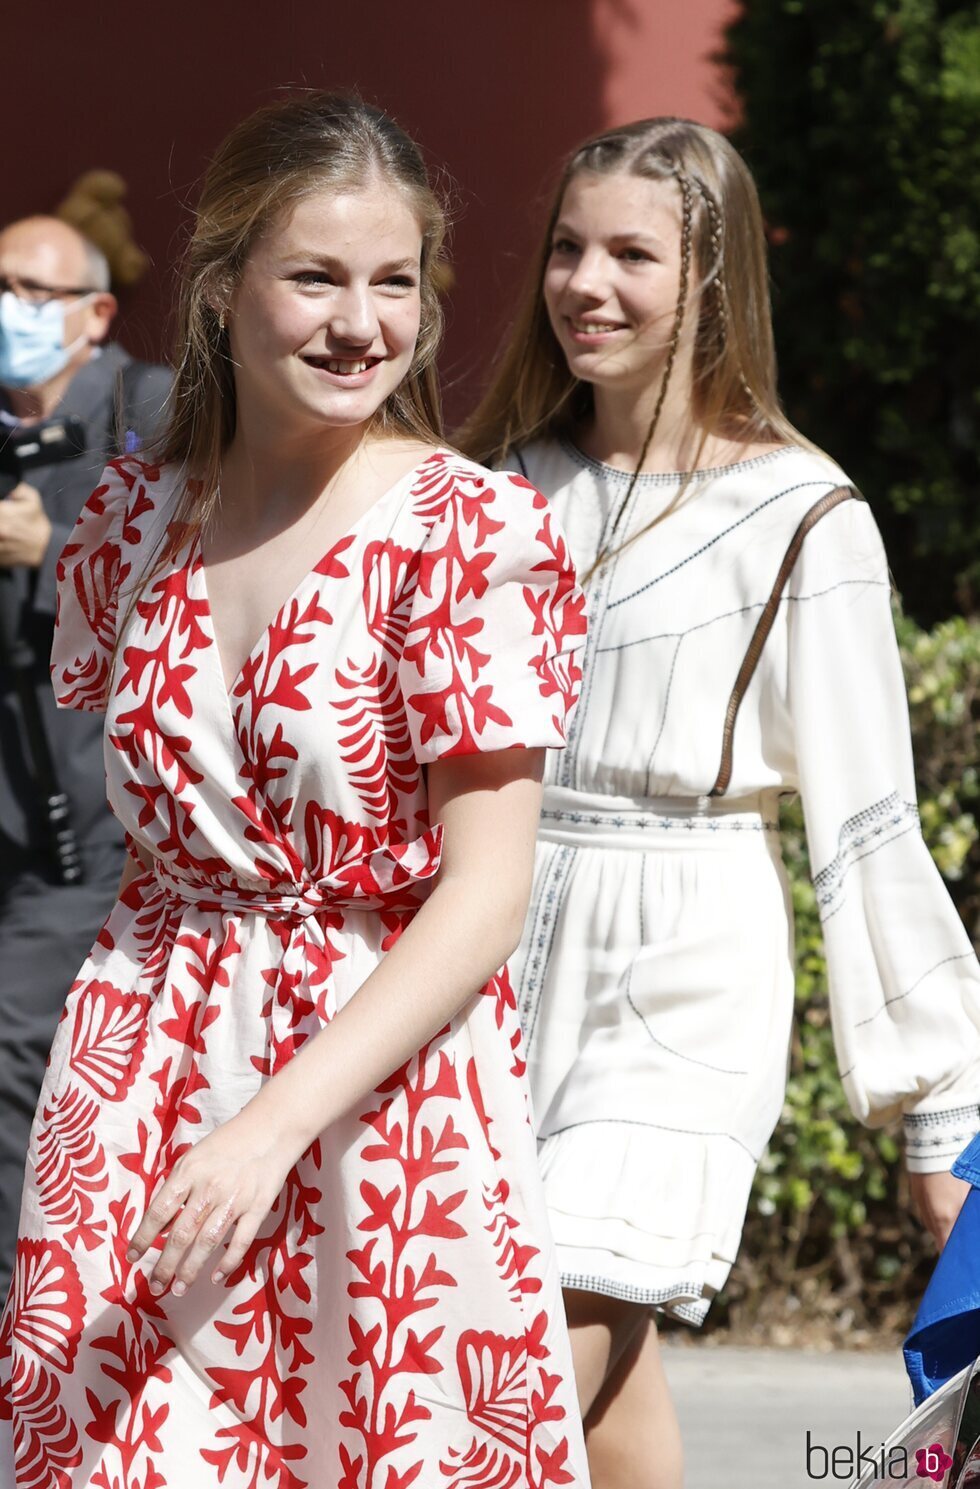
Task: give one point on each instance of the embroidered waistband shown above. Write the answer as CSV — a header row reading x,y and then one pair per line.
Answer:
x,y
567,809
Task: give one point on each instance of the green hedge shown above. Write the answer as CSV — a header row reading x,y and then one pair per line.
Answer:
x,y
828,1230
861,123
860,120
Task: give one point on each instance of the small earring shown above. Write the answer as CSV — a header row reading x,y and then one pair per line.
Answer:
x,y
221,321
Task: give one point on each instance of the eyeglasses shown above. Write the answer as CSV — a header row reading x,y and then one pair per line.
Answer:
x,y
34,293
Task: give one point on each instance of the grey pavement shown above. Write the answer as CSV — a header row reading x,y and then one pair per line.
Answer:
x,y
745,1413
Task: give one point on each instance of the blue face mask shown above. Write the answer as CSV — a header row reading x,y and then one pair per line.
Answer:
x,y
32,341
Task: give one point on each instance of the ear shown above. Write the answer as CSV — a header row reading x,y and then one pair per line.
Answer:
x,y
100,315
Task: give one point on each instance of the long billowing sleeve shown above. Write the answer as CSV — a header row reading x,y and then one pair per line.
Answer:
x,y
904,980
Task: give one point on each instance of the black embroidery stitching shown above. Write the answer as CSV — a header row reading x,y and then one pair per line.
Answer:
x,y
952,1142
703,625
704,1064
670,478
933,1119
597,613
568,769
959,957
548,908
692,1313
891,811
912,826
725,532
708,822
663,716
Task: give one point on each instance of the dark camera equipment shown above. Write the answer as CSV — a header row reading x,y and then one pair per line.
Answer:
x,y
49,442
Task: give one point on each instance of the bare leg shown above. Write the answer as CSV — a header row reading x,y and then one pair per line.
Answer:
x,y
632,1433
600,1329
631,1428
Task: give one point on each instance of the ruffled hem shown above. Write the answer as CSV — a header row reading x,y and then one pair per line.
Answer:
x,y
687,1298
646,1214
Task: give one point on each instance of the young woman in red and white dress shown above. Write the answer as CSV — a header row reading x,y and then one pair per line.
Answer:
x,y
655,974
282,1223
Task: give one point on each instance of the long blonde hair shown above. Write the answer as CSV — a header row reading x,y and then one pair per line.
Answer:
x,y
278,155
723,272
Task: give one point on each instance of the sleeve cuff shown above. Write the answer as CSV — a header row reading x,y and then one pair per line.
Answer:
x,y
46,586
934,1139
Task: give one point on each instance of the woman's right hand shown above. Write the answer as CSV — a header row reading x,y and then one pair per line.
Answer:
x,y
937,1200
227,1181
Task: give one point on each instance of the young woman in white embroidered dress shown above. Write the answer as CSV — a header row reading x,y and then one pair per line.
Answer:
x,y
655,975
282,1220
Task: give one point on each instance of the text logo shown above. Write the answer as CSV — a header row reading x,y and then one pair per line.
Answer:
x,y
845,1461
932,1462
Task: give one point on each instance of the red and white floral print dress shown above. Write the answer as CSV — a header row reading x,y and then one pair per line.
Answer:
x,y
398,1320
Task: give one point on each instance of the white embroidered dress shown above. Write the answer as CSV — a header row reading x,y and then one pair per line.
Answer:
x,y
655,974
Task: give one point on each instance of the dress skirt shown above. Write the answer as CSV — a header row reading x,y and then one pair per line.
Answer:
x,y
656,989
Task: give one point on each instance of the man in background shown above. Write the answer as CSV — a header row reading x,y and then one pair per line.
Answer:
x,y
86,400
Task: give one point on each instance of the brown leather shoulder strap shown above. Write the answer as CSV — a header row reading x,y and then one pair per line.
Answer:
x,y
764,626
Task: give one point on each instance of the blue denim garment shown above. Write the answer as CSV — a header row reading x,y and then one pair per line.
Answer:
x,y
945,1336
967,1166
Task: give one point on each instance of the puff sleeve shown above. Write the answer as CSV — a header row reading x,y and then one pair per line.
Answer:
x,y
491,659
89,573
903,976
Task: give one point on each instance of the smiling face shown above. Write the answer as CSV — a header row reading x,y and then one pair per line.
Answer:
x,y
324,320
613,275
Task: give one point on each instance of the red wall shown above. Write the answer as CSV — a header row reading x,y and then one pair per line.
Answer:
x,y
495,92
658,58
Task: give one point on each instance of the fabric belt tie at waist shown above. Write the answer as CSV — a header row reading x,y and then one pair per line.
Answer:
x,y
387,878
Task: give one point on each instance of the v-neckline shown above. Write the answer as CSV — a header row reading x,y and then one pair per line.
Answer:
x,y
197,562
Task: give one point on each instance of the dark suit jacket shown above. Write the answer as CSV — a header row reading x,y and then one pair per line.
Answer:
x,y
75,738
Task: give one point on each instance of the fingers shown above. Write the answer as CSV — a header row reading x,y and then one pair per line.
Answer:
x,y
194,1242
191,1224
198,1217
219,1185
25,529
245,1232
198,1226
26,495
164,1205
213,1226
